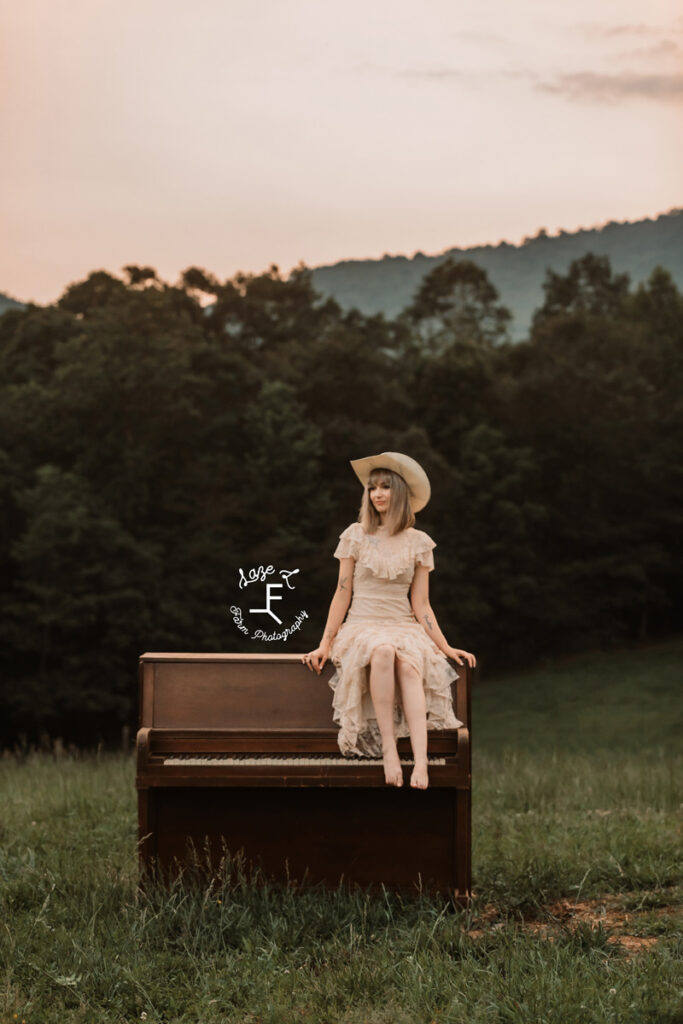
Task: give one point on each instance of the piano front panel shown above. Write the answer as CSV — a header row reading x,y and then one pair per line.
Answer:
x,y
323,833
240,695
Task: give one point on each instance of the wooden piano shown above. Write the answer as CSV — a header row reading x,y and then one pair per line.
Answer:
x,y
239,751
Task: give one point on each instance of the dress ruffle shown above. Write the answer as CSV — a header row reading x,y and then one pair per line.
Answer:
x,y
386,557
349,542
352,704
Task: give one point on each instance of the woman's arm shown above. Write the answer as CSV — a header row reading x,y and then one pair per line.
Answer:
x,y
419,602
341,599
338,608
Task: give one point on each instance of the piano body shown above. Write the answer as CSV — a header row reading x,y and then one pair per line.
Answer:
x,y
239,751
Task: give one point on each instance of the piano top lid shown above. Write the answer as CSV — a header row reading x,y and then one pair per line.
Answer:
x,y
281,656
219,656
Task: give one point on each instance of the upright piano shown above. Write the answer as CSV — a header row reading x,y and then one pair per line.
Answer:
x,y
238,752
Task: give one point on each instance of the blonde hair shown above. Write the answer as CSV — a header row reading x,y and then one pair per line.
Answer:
x,y
399,515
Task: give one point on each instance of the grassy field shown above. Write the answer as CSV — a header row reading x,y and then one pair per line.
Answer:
x,y
577,871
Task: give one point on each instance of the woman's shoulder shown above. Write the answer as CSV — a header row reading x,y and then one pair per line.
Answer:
x,y
353,530
350,542
420,537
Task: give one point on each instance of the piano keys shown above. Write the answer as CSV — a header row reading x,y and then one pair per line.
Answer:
x,y
284,761
239,751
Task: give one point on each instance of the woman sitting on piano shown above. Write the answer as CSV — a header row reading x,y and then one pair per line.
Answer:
x,y
392,675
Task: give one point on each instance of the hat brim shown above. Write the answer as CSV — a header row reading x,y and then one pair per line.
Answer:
x,y
411,471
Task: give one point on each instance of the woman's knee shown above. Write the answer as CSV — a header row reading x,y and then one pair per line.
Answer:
x,y
383,654
407,673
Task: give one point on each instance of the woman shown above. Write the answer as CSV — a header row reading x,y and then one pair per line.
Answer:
x,y
387,638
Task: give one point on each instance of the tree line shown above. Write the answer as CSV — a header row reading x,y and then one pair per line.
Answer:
x,y
157,438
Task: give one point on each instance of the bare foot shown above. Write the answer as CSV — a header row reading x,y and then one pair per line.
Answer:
x,y
419,779
393,773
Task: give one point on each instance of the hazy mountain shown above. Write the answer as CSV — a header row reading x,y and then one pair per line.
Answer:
x,y
7,303
517,271
388,285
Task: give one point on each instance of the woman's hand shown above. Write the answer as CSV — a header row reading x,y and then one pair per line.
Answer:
x,y
316,659
458,655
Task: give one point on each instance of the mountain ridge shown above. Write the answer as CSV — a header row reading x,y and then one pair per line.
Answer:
x,y
387,284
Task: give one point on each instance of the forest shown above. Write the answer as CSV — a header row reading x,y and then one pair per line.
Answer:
x,y
159,438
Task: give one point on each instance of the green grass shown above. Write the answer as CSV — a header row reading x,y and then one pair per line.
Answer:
x,y
621,702
576,802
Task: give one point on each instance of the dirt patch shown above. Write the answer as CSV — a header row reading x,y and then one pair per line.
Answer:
x,y
564,914
594,912
635,943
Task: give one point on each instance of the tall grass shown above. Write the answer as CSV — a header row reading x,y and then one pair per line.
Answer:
x,y
79,941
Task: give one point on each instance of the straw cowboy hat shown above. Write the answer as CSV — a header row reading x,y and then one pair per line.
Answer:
x,y
411,471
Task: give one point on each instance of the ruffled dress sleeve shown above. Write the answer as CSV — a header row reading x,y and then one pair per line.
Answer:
x,y
349,542
424,546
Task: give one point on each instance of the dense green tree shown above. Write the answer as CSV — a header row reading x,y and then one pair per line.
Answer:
x,y
77,614
142,277
286,494
589,287
99,289
456,302
490,576
262,312
583,404
156,438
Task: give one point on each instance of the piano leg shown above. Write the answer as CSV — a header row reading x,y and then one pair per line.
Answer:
x,y
463,847
147,832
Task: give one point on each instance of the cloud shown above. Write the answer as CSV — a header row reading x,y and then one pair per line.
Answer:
x,y
664,48
443,74
588,86
592,30
477,37
591,86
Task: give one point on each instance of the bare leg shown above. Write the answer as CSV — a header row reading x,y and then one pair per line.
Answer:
x,y
415,710
382,690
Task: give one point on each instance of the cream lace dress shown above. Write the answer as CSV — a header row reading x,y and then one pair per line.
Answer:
x,y
380,613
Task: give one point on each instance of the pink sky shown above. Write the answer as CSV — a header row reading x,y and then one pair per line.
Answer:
x,y
232,136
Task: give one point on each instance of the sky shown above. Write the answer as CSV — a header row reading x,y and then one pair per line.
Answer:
x,y
232,135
